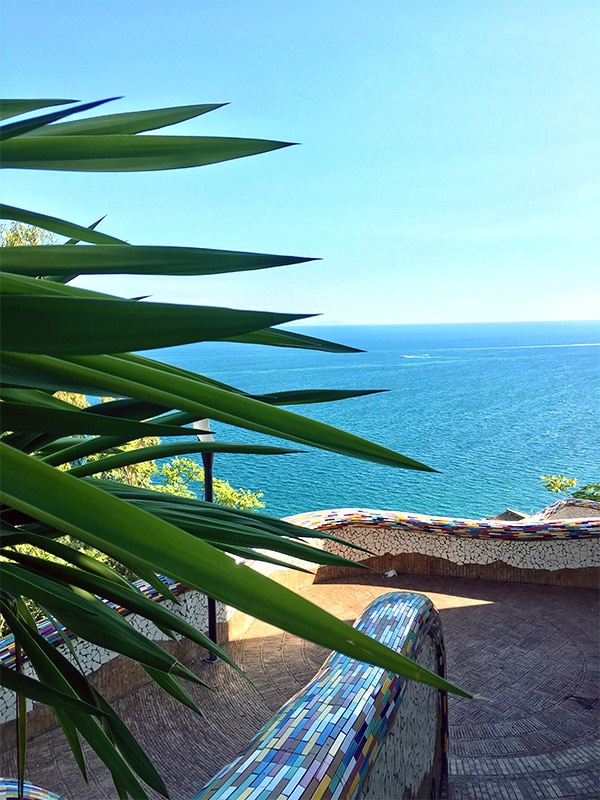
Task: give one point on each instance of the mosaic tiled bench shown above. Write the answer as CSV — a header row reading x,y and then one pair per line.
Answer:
x,y
542,548
9,790
354,731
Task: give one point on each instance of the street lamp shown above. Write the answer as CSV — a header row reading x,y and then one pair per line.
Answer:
x,y
203,434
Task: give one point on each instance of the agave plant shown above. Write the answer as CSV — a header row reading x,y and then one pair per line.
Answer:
x,y
56,337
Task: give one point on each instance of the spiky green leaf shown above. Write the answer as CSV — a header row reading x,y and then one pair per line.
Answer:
x,y
56,225
115,153
112,259
13,108
129,122
91,515
53,325
23,127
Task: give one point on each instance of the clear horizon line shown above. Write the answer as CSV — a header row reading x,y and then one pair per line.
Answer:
x,y
338,323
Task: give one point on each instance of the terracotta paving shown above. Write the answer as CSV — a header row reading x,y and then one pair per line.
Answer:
x,y
530,653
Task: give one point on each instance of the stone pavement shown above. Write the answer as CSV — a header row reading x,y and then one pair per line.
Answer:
x,y
530,653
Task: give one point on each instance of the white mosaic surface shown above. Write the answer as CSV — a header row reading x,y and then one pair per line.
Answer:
x,y
551,554
408,751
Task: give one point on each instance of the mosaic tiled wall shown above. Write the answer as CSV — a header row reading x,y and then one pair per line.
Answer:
x,y
192,607
326,741
537,542
540,542
542,525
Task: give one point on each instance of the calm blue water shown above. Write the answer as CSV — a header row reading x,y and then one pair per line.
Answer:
x,y
493,406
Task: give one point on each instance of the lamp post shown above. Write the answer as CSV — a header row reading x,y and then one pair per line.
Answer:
x,y
202,426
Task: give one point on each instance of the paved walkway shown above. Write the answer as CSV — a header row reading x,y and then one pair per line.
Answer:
x,y
530,652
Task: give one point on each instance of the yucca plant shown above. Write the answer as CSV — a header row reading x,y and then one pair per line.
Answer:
x,y
59,338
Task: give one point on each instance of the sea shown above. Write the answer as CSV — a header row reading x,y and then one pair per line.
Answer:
x,y
491,406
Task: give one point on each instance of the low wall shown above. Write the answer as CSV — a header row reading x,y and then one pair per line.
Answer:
x,y
355,732
117,677
114,677
539,549
543,548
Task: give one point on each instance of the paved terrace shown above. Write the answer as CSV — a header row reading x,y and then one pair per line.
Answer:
x,y
530,651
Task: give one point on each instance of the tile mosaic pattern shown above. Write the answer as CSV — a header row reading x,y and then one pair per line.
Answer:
x,y
588,508
531,528
537,554
322,743
49,631
9,791
410,762
536,527
91,657
388,531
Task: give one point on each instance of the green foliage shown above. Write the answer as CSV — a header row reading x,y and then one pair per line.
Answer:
x,y
57,338
559,484
562,485
179,475
137,474
18,234
591,491
77,400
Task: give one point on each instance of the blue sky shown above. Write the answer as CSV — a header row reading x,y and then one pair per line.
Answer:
x,y
449,167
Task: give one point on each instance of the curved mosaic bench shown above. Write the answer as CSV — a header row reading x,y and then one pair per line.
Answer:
x,y
538,549
542,525
354,731
9,791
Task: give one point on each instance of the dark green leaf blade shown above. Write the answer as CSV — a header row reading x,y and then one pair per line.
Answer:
x,y
88,617
128,746
309,396
13,284
153,499
173,449
53,325
129,122
57,672
134,376
12,108
70,504
41,693
56,225
222,404
173,687
283,338
14,129
114,153
34,419
123,259
116,589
